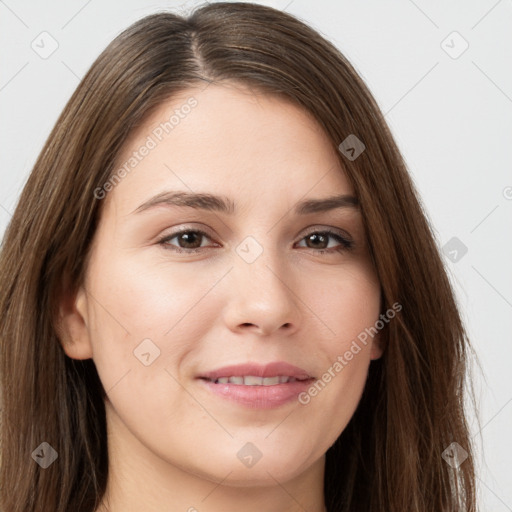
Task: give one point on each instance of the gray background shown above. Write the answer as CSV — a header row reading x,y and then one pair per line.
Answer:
x,y
450,112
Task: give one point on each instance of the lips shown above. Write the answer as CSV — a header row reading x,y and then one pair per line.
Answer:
x,y
257,386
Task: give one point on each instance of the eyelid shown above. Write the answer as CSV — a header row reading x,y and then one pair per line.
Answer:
x,y
185,228
328,229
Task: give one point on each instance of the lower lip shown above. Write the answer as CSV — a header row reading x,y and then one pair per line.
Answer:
x,y
259,397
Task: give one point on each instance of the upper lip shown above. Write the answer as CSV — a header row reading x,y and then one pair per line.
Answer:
x,y
274,369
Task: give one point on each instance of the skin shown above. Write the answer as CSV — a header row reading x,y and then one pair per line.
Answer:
x,y
172,443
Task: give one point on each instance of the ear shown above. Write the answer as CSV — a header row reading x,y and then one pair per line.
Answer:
x,y
378,345
72,326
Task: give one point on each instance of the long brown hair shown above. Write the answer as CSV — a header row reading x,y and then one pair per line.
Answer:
x,y
389,457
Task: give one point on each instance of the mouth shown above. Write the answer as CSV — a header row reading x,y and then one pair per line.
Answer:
x,y
253,380
258,386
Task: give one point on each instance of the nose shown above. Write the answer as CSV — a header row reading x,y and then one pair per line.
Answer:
x,y
261,296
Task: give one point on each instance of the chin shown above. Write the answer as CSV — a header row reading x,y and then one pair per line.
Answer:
x,y
264,472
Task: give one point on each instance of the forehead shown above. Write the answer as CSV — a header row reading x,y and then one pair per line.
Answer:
x,y
229,140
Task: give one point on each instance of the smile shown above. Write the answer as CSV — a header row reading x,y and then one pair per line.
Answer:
x,y
252,380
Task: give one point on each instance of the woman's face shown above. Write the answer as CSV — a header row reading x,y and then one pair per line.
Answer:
x,y
162,312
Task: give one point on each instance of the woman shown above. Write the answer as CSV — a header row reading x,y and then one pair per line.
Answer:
x,y
179,331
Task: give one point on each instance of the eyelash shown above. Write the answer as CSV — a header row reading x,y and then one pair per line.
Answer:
x,y
346,244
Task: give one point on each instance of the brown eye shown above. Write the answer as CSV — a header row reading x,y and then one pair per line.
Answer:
x,y
188,240
319,241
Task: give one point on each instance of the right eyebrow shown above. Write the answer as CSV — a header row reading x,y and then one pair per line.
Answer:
x,y
199,201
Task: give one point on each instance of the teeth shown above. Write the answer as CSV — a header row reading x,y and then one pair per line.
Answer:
x,y
270,381
252,380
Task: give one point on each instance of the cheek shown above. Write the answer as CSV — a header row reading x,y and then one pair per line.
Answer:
x,y
141,308
143,326
350,302
351,311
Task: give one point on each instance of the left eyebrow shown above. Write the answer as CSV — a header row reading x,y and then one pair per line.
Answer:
x,y
223,204
326,204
